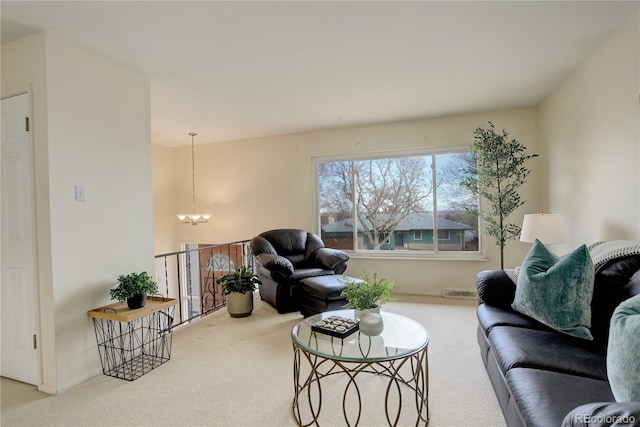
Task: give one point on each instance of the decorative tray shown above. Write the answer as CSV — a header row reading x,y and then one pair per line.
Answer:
x,y
335,326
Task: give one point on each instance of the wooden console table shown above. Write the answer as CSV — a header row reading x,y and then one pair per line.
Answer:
x,y
133,342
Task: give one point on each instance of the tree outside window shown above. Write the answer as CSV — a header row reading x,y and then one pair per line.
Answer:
x,y
386,203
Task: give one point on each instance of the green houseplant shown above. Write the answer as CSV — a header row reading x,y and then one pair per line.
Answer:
x,y
365,294
238,286
134,288
496,176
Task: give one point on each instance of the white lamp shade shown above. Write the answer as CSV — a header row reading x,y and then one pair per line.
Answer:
x,y
548,228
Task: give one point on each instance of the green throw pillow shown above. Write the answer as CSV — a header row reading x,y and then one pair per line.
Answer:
x,y
557,291
623,360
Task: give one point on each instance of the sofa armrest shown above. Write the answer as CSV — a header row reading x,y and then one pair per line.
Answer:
x,y
278,266
604,414
495,288
332,259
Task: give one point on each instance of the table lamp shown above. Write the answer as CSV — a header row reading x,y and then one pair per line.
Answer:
x,y
548,228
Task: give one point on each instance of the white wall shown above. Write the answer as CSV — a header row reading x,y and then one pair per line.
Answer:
x,y
165,222
164,194
591,130
255,185
97,134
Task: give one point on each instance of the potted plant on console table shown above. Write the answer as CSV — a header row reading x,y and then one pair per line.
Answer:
x,y
134,288
238,286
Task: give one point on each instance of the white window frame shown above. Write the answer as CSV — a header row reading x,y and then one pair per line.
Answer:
x,y
479,255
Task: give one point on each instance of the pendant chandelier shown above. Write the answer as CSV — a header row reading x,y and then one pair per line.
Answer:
x,y
193,218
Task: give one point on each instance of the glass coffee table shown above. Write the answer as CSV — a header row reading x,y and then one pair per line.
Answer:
x,y
397,354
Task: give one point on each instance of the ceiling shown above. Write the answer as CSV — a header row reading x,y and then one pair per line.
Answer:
x,y
234,70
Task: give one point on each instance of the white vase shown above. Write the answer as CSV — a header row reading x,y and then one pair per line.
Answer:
x,y
360,312
371,323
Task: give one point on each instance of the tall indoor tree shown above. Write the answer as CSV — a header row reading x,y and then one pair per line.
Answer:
x,y
496,176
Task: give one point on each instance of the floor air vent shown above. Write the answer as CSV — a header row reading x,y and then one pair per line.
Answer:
x,y
456,293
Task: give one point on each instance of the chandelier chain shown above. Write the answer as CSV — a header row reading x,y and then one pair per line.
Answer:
x,y
194,218
193,171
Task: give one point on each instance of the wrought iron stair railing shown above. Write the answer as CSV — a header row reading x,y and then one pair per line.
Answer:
x,y
190,276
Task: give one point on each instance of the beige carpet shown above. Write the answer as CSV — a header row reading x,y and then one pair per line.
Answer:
x,y
238,372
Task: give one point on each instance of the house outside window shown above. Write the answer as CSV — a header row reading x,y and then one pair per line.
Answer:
x,y
397,202
444,234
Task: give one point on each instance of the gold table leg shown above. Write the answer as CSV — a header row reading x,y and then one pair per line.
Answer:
x,y
417,379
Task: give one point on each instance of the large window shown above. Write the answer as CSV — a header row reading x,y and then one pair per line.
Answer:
x,y
397,203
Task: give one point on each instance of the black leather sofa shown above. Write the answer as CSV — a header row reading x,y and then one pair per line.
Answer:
x,y
545,378
285,257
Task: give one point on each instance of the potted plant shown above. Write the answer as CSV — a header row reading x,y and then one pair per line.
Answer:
x,y
238,286
366,294
496,176
134,288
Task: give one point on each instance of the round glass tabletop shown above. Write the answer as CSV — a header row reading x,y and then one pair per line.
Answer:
x,y
400,337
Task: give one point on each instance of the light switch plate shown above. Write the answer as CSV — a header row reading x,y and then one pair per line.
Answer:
x,y
81,193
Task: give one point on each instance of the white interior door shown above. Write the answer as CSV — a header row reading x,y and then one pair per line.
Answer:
x,y
19,356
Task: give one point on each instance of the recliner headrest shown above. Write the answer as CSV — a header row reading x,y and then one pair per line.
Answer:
x,y
286,241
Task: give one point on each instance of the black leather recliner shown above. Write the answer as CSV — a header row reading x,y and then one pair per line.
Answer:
x,y
287,256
